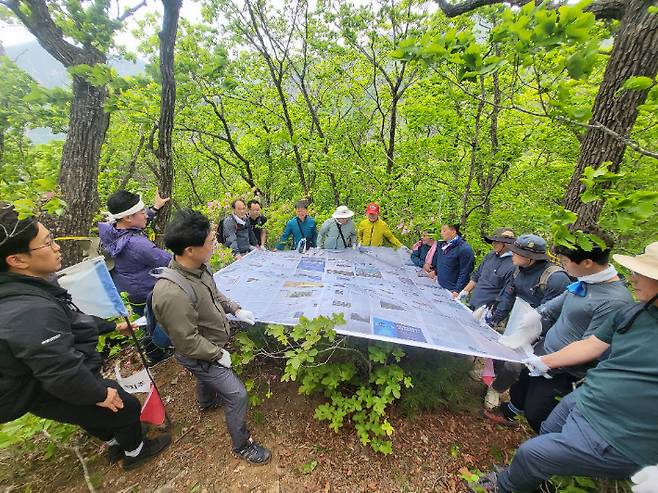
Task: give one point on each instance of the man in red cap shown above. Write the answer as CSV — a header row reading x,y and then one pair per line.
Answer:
x,y
372,231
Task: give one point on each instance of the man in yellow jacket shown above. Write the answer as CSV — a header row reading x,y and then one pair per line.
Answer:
x,y
372,231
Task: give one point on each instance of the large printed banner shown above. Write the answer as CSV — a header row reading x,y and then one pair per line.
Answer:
x,y
381,296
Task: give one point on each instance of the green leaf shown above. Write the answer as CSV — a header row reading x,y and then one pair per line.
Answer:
x,y
309,467
640,83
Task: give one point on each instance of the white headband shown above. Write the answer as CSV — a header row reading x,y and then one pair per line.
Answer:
x,y
133,210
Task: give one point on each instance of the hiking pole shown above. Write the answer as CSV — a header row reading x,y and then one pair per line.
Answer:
x,y
148,371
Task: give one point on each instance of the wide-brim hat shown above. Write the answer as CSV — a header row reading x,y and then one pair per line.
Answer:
x,y
645,264
342,212
502,235
529,246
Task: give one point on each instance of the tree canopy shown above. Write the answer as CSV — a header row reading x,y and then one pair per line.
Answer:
x,y
532,116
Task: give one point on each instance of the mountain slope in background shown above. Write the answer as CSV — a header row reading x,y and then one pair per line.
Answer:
x,y
49,73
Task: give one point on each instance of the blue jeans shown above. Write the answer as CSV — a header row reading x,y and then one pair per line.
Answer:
x,y
567,446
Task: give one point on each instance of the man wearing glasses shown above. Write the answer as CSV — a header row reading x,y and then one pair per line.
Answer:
x,y
48,360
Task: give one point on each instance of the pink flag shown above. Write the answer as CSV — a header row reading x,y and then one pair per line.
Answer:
x,y
488,373
153,410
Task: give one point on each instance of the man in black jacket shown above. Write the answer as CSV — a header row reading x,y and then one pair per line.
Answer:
x,y
48,360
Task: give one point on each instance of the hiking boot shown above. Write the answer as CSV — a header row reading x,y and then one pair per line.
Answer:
x,y
156,357
253,453
210,407
114,453
486,484
499,417
151,448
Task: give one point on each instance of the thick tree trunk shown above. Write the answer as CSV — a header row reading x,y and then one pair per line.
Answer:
x,y
635,53
78,176
167,106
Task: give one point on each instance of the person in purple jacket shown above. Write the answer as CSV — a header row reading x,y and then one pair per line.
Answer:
x,y
134,254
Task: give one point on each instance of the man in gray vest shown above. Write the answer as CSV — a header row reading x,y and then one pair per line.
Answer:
x,y
238,233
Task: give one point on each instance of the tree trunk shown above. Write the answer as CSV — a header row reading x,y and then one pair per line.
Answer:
x,y
635,53
78,176
474,149
167,105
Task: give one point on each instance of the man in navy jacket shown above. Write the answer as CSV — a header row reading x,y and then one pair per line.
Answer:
x,y
453,260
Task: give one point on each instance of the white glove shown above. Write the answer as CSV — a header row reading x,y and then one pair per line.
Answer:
x,y
245,316
537,367
462,294
405,248
225,360
646,480
480,313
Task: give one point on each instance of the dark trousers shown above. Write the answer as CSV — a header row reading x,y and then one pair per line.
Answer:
x,y
507,373
124,425
215,382
538,396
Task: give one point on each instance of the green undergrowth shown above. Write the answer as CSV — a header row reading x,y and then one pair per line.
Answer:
x,y
360,381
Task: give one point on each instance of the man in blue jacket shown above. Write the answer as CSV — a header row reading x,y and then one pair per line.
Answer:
x,y
493,273
301,227
453,260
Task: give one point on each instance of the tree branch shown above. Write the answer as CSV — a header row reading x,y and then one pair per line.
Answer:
x,y
37,19
453,10
599,126
131,11
602,9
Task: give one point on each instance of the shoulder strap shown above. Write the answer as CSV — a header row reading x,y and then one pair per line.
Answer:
x,y
178,279
548,272
624,318
301,231
340,231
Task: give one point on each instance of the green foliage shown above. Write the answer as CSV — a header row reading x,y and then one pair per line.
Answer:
x,y
309,467
360,382
23,433
579,484
641,83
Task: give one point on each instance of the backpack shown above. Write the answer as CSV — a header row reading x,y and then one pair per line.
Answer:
x,y
152,327
221,234
543,278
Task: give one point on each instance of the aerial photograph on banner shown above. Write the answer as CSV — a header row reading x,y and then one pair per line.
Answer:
x,y
380,295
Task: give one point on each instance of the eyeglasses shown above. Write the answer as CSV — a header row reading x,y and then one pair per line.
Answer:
x,y
50,243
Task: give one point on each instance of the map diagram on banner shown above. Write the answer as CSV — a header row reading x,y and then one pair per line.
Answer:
x,y
379,293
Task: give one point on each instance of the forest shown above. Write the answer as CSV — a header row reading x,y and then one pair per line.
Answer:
x,y
537,116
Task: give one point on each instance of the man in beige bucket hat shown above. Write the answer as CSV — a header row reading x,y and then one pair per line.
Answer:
x,y
607,427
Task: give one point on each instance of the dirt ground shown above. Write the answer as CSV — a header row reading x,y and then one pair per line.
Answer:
x,y
429,451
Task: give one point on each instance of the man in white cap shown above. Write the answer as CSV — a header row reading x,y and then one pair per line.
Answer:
x,y
338,232
607,427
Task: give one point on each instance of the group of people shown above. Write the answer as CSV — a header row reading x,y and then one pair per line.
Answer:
x,y
593,336
243,230
591,388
